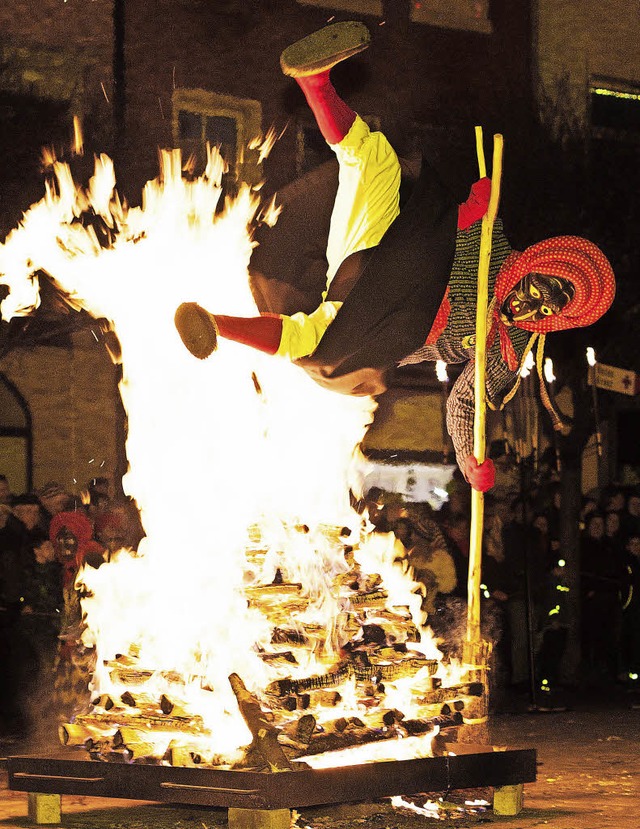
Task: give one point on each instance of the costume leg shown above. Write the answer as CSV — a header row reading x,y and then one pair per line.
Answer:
x,y
366,203
333,116
199,330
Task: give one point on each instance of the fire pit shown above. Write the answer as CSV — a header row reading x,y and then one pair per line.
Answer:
x,y
264,625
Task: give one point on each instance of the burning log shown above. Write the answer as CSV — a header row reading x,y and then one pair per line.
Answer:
x,y
413,727
298,735
361,667
98,749
173,707
78,734
372,599
344,733
284,657
184,755
285,687
187,725
139,744
105,701
142,701
285,636
276,591
454,705
388,671
470,689
265,734
128,675
325,699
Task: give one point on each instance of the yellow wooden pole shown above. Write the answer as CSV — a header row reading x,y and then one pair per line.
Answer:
x,y
479,421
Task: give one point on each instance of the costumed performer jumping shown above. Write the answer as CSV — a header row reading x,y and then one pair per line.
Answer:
x,y
401,284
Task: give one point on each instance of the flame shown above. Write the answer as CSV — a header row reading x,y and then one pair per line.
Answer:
x,y
220,451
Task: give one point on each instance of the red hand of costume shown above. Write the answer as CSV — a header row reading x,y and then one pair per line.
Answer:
x,y
481,476
476,205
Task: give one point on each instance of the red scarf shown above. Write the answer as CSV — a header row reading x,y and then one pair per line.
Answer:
x,y
578,261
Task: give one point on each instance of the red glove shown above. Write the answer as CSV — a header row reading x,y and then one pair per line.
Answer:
x,y
476,205
481,477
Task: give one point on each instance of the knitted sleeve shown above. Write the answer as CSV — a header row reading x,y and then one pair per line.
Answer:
x,y
460,407
461,402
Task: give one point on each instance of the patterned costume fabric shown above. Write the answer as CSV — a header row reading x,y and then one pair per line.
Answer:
x,y
452,338
456,342
366,204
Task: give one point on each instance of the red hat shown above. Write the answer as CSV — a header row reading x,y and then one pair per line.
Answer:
x,y
578,261
79,525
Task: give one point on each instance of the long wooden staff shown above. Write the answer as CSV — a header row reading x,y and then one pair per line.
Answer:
x,y
474,649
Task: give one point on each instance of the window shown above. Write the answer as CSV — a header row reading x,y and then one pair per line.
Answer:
x,y
373,7
223,121
615,109
452,14
15,437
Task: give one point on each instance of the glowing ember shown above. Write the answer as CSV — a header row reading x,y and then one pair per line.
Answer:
x,y
254,563
440,809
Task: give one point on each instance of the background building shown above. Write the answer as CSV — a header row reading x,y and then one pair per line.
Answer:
x,y
141,76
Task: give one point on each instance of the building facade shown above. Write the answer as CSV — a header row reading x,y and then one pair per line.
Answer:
x,y
143,75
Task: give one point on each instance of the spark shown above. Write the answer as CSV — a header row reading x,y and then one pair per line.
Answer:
x,y
78,145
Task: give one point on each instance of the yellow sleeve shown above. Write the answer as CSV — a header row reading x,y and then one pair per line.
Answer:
x,y
301,332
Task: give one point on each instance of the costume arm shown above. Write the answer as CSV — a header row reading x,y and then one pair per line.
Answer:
x,y
460,414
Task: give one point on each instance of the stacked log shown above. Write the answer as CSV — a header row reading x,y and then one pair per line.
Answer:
x,y
294,716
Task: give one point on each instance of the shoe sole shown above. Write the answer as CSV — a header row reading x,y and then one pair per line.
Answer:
x,y
197,329
323,49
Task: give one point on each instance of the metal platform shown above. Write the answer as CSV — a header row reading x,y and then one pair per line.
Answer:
x,y
268,790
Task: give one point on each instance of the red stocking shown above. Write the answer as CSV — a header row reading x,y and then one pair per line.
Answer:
x,y
263,333
333,116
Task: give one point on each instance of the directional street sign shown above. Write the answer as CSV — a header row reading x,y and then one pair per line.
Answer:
x,y
614,379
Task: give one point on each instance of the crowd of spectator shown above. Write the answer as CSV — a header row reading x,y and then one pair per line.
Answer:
x,y
527,581
47,535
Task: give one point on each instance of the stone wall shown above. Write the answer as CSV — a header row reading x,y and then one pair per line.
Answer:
x,y
73,401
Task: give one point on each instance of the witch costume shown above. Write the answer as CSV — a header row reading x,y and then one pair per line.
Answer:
x,y
401,283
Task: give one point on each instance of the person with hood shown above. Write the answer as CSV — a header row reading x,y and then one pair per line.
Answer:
x,y
71,534
401,283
